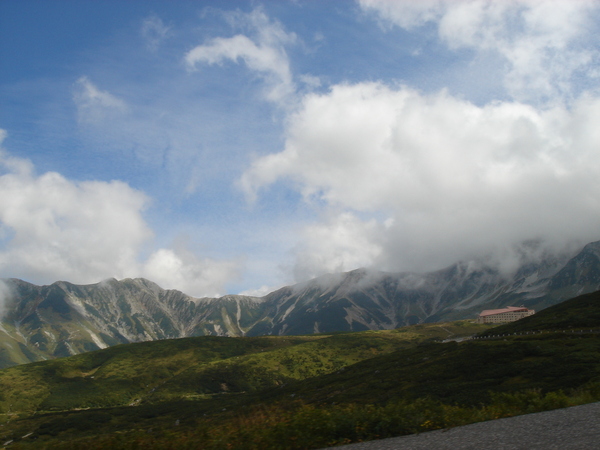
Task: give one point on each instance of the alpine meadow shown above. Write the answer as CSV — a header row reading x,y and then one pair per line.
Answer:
x,y
295,224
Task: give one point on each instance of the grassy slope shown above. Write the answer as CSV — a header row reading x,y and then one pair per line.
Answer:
x,y
214,388
463,373
455,374
15,351
198,367
115,376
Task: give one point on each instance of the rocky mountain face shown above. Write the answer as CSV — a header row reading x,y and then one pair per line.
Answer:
x,y
41,322
64,319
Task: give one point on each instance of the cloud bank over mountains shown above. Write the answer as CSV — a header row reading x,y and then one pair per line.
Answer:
x,y
283,169
414,181
425,180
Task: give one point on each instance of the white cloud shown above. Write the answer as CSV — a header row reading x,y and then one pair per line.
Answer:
x,y
264,53
184,271
77,231
260,292
53,228
425,180
541,40
340,243
94,105
154,31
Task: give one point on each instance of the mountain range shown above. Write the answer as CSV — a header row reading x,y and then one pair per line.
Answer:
x,y
304,392
62,319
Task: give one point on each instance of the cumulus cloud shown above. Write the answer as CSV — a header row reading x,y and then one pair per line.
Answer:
x,y
425,180
53,228
181,269
264,52
59,228
414,181
340,243
540,40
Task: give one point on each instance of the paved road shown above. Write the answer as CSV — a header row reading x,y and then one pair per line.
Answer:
x,y
576,428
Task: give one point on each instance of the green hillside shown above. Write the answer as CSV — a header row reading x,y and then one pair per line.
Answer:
x,y
295,392
463,373
577,313
196,367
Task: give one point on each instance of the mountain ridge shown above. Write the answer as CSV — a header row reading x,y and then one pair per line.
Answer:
x,y
62,319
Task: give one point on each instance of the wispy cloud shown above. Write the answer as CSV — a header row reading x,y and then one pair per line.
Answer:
x,y
94,105
154,31
263,53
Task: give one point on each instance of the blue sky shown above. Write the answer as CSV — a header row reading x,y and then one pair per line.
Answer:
x,y
226,147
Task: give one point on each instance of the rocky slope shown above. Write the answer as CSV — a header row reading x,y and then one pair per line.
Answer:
x,y
361,299
62,319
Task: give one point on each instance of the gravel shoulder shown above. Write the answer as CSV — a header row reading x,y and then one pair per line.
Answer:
x,y
577,427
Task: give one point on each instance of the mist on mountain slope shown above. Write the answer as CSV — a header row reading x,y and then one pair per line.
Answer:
x,y
502,265
4,297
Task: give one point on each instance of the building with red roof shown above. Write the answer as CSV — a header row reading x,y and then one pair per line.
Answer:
x,y
508,314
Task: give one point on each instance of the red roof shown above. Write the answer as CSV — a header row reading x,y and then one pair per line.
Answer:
x,y
489,312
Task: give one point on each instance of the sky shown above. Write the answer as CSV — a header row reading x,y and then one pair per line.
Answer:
x,y
235,147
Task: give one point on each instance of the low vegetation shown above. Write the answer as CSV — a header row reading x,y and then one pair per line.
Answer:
x,y
297,392
304,426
